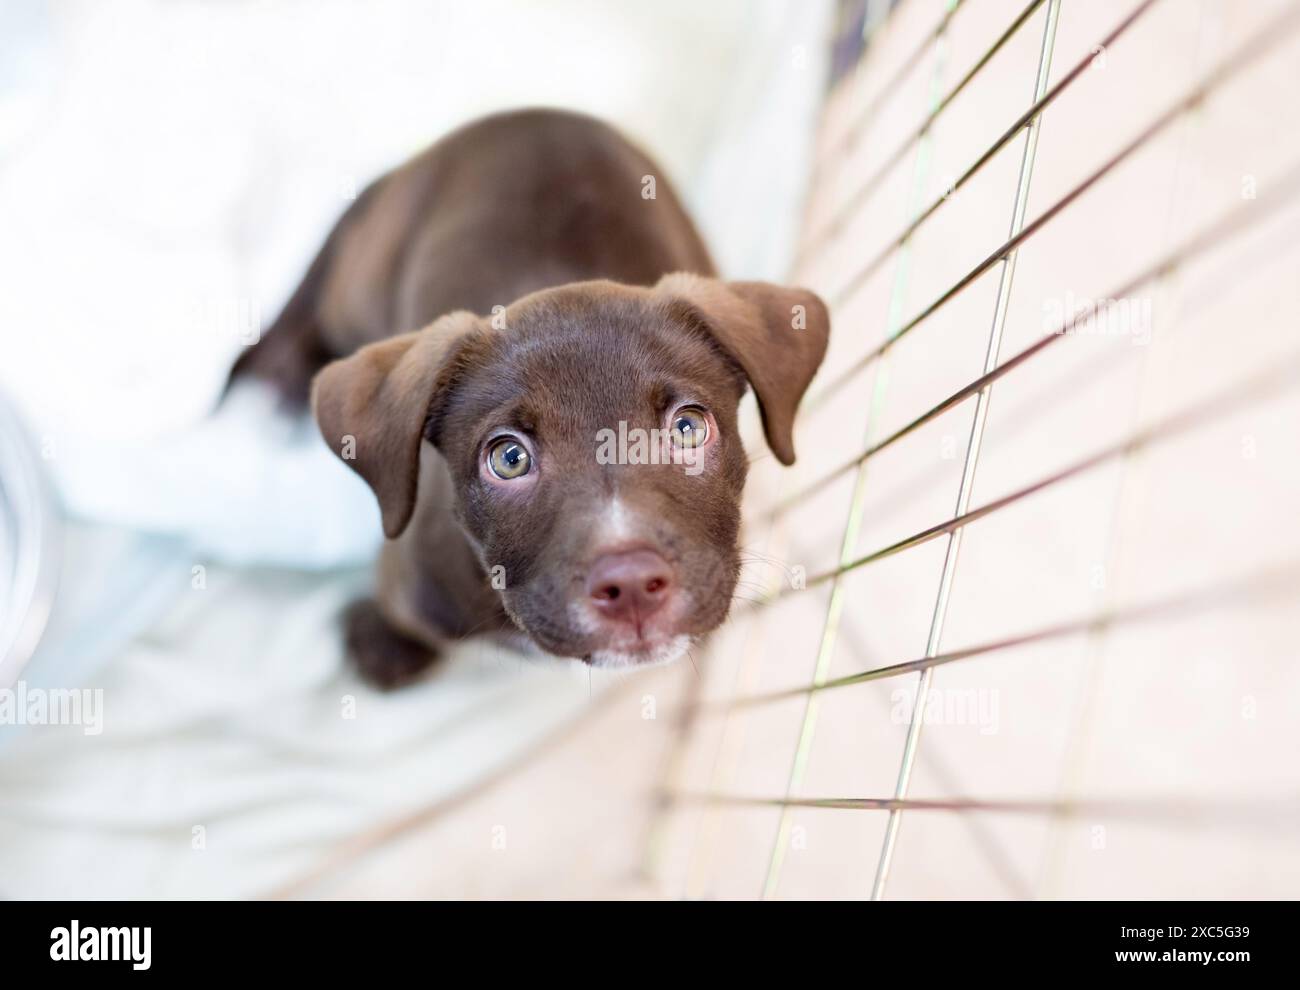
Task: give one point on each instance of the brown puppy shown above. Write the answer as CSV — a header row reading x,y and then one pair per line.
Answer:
x,y
566,462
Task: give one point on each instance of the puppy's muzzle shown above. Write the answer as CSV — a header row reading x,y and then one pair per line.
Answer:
x,y
628,588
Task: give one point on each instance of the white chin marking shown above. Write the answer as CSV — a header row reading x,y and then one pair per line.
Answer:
x,y
664,653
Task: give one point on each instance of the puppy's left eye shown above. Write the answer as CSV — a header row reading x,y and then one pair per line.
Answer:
x,y
508,459
690,426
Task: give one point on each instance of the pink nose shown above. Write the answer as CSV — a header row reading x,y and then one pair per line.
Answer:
x,y
629,586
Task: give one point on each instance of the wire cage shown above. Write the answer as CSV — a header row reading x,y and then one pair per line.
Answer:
x,y
1020,622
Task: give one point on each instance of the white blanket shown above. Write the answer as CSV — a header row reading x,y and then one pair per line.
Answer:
x,y
233,750
166,172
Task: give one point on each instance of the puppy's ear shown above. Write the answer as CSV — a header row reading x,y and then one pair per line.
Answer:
x,y
777,335
371,409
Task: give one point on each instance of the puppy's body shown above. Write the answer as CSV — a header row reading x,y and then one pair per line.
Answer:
x,y
500,208
541,223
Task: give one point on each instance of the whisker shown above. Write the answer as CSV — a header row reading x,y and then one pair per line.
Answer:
x,y
690,655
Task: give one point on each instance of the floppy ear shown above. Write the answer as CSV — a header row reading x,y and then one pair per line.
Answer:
x,y
777,335
371,409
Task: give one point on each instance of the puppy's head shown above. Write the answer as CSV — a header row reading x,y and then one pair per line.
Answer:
x,y
591,433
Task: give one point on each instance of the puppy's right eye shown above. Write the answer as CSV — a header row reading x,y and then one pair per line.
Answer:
x,y
508,459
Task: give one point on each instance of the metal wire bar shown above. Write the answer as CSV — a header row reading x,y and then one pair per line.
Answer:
x,y
1273,34
821,668
1163,430
827,233
942,773
1280,816
989,153
849,538
725,760
1243,56
973,448
670,768
1231,224
727,755
1253,589
1082,719
853,133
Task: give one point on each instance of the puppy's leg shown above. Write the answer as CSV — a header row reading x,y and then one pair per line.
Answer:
x,y
383,655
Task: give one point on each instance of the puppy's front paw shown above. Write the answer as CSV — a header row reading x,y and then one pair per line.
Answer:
x,y
386,658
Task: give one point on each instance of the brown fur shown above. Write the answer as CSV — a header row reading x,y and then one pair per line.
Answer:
x,y
610,316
